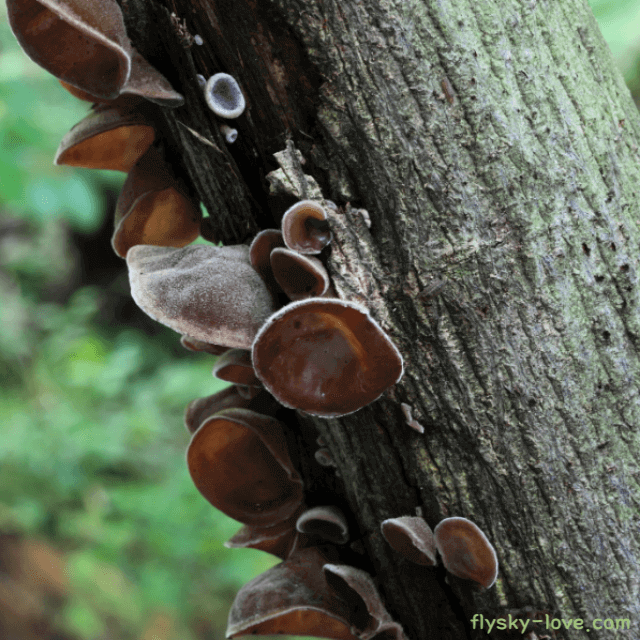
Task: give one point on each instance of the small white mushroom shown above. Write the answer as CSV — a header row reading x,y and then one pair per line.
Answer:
x,y
224,96
230,134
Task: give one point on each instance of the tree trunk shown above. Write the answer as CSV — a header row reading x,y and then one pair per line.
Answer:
x,y
494,147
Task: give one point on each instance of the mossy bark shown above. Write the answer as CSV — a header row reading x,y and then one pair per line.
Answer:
x,y
494,146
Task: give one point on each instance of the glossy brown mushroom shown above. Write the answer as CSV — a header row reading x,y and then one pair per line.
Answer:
x,y
466,552
291,598
260,255
207,292
113,136
280,540
412,538
239,462
83,42
369,616
325,356
200,409
235,366
153,208
232,397
298,275
305,228
327,522
199,346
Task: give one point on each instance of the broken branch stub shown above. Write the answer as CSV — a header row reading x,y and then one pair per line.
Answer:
x,y
209,293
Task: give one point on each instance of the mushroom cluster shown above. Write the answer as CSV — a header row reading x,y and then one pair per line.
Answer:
x,y
464,549
316,353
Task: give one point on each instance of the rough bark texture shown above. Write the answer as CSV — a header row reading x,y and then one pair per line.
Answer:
x,y
494,148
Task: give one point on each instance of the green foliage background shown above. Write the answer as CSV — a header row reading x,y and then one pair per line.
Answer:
x,y
92,443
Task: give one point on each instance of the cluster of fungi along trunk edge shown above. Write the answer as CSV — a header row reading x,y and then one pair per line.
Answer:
x,y
318,354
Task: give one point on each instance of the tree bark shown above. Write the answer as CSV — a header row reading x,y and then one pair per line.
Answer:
x,y
494,146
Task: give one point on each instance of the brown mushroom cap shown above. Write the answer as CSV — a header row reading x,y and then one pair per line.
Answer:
x,y
466,552
238,460
83,42
280,540
298,275
153,209
325,356
210,293
260,254
305,228
147,82
291,598
411,537
235,366
328,522
113,136
201,409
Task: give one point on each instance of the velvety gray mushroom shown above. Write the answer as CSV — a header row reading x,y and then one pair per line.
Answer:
x,y
207,292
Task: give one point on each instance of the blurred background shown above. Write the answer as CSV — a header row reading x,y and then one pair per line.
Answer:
x,y
102,534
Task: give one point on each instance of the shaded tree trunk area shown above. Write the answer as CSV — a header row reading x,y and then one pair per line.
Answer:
x,y
493,146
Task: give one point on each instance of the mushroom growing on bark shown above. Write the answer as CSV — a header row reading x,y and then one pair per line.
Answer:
x,y
466,552
280,540
292,598
325,356
153,208
411,537
84,43
260,255
235,366
298,275
305,227
370,617
224,96
327,522
113,136
198,346
210,293
238,460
